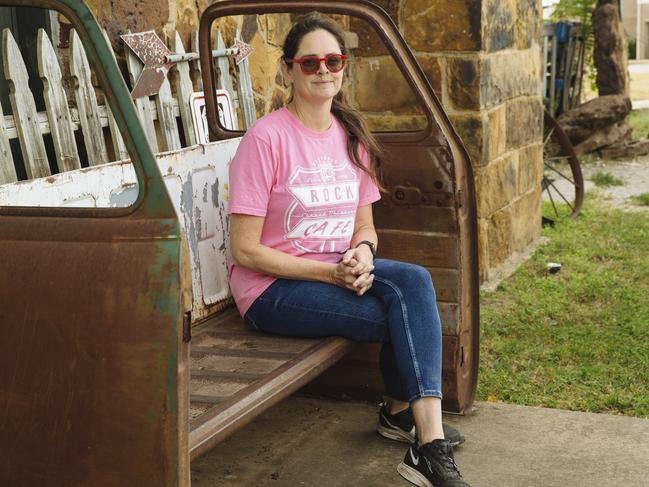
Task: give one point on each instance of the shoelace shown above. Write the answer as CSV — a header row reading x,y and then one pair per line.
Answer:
x,y
447,460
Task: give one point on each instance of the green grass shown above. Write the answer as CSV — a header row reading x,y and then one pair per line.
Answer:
x,y
639,120
606,179
578,339
641,200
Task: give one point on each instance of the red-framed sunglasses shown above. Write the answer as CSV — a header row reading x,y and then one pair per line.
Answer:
x,y
311,64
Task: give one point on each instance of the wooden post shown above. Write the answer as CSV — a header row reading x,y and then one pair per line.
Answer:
x,y
86,99
119,148
142,104
24,110
196,65
245,89
7,168
184,90
56,105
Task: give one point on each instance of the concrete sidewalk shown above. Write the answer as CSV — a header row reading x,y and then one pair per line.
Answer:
x,y
314,442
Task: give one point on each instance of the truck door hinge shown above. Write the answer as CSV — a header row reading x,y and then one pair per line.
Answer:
x,y
187,326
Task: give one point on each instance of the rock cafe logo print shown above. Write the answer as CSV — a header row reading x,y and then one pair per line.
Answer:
x,y
321,217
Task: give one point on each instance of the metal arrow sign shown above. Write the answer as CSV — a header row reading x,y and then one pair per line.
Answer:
x,y
157,59
243,51
153,53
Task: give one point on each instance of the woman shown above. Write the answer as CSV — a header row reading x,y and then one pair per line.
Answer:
x,y
303,245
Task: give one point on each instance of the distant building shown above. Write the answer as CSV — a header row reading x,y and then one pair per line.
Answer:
x,y
637,27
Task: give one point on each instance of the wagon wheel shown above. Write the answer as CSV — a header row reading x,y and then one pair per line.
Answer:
x,y
562,183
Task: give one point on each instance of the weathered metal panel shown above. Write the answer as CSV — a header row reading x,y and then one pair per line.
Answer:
x,y
92,385
196,179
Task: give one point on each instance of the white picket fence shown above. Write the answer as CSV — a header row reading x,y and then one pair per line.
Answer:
x,y
63,118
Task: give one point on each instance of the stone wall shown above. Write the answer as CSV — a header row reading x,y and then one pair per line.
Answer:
x,y
482,58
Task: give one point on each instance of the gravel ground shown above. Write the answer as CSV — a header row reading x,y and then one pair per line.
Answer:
x,y
634,173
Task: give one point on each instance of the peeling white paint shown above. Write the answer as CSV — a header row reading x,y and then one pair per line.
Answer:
x,y
196,179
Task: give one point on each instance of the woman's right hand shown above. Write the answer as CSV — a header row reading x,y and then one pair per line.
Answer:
x,y
345,277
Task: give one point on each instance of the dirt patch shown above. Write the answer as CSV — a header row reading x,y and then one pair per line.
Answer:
x,y
633,173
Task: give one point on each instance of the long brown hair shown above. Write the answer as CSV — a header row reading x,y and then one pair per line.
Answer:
x,y
358,134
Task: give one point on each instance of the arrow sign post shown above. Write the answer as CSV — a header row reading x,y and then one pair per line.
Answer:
x,y
158,59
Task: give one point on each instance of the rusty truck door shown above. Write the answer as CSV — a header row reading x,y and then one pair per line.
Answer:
x,y
428,215
92,388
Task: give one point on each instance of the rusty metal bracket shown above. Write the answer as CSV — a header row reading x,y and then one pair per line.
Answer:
x,y
187,327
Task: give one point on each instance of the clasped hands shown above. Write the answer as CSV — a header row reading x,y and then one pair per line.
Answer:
x,y
353,272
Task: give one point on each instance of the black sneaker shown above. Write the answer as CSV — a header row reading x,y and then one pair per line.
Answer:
x,y
401,427
431,465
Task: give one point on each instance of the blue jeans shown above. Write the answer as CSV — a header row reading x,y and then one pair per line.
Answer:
x,y
399,310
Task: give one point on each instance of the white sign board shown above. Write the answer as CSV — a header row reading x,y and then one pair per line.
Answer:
x,y
227,117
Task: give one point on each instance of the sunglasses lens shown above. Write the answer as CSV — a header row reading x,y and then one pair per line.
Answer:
x,y
334,62
310,64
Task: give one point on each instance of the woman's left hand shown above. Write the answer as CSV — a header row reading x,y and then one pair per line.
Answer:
x,y
361,261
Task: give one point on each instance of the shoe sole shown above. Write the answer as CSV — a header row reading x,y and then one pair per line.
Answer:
x,y
413,476
394,434
402,436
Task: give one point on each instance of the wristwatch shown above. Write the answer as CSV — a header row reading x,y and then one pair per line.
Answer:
x,y
369,244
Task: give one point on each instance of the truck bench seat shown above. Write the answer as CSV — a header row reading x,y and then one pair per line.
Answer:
x,y
238,373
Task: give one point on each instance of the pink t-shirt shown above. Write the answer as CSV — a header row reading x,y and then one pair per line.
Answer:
x,y
305,186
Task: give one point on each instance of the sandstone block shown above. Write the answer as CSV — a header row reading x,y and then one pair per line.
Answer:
x,y
278,100
264,66
369,44
497,184
276,26
249,27
442,25
526,219
499,24
184,18
499,235
530,167
390,123
489,80
496,128
465,82
483,134
524,121
529,27
378,85
119,16
431,67
510,74
471,129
